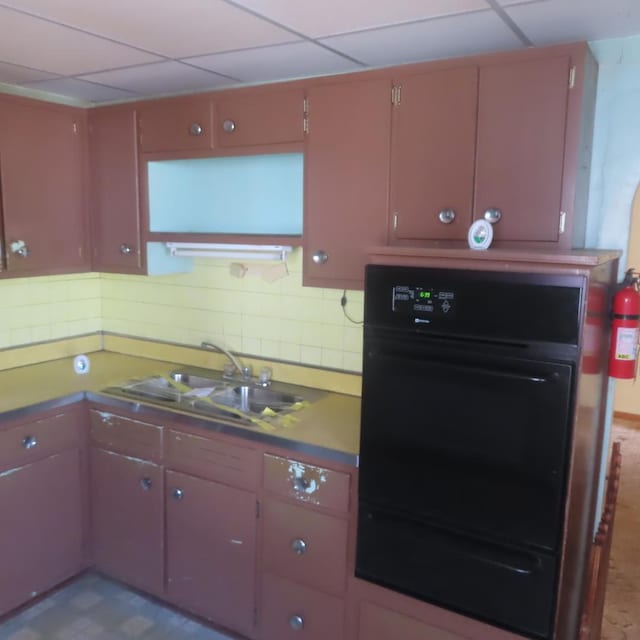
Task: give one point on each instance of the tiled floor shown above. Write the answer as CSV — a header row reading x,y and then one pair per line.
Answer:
x,y
94,608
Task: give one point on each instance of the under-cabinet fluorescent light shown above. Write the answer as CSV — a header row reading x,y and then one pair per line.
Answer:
x,y
229,251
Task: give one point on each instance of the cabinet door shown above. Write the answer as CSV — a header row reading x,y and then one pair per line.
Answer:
x,y
211,540
520,152
127,516
346,180
41,537
260,118
42,168
184,124
114,200
434,137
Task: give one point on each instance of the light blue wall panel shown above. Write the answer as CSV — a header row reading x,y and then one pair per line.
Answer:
x,y
247,194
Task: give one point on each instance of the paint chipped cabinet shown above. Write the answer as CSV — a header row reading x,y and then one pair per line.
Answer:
x,y
305,532
257,117
127,500
346,180
506,139
114,197
211,513
42,537
42,187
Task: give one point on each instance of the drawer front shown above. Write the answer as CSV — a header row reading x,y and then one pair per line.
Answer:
x,y
125,435
305,546
293,612
307,483
212,459
38,439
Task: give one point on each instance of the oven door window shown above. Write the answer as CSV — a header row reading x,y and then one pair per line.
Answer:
x,y
466,439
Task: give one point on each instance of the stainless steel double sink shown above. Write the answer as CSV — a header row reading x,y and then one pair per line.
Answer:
x,y
210,393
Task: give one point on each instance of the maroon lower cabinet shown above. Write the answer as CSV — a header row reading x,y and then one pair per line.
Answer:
x,y
291,611
376,613
127,517
42,531
211,542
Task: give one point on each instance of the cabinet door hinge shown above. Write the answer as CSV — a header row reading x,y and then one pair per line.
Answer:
x,y
396,95
75,128
305,115
395,220
257,508
563,220
572,76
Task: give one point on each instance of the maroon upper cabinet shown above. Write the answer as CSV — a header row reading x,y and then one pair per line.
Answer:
x,y
259,117
432,167
176,125
211,550
114,197
127,517
346,179
42,181
522,113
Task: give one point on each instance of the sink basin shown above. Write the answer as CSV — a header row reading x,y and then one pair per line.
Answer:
x,y
255,399
195,381
154,388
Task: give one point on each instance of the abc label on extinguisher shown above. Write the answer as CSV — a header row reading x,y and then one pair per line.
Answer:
x,y
626,343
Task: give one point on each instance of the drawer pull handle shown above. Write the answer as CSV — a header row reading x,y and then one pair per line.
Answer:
x,y
301,483
178,494
29,442
195,129
299,546
296,623
146,483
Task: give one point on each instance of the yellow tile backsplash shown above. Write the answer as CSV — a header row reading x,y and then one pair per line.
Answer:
x,y
273,320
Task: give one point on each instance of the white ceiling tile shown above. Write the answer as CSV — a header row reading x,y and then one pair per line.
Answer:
x,y
40,44
170,28
330,17
557,21
13,74
86,91
158,78
278,62
442,38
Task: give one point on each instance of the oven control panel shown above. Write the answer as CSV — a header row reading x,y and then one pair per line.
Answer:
x,y
422,301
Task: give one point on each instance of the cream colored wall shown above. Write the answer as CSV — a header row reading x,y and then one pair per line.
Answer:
x,y
627,396
280,319
47,308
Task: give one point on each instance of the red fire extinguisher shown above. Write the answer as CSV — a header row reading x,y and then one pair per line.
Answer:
x,y
625,329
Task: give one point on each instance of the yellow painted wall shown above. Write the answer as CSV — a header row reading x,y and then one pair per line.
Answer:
x,y
280,319
47,308
627,393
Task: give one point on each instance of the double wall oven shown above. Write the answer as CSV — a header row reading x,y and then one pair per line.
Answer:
x,y
467,403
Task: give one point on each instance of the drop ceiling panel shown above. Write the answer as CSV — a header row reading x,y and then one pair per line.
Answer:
x,y
13,74
171,28
162,77
80,90
278,62
558,21
331,17
442,38
43,45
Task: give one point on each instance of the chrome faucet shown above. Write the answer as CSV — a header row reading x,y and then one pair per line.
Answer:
x,y
238,367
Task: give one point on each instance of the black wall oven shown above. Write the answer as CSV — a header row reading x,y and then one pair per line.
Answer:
x,y
467,403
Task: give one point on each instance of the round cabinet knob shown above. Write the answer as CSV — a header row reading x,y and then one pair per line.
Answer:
x,y
195,129
296,623
146,483
228,126
320,257
19,248
492,215
299,546
29,442
300,483
447,216
125,249
178,494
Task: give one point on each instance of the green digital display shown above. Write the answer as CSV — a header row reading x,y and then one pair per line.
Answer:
x,y
425,295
